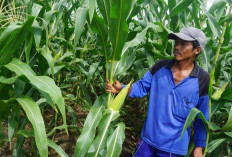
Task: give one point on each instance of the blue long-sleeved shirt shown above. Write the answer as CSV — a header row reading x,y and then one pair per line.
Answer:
x,y
170,104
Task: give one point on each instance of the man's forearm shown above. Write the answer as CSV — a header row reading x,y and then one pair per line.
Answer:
x,y
197,152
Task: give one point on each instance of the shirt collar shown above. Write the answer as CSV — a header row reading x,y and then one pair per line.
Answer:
x,y
194,72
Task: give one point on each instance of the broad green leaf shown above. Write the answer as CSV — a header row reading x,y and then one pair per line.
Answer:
x,y
228,125
218,93
191,117
92,6
100,28
14,41
91,72
99,143
118,28
181,6
34,116
36,8
44,84
28,45
20,68
174,19
6,33
88,133
80,20
216,6
37,31
214,144
140,36
227,94
25,133
115,141
18,151
125,63
57,148
195,13
228,134
227,37
8,80
104,8
48,56
213,126
13,121
72,114
215,28
48,16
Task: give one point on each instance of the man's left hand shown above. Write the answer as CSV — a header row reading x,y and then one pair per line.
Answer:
x,y
198,152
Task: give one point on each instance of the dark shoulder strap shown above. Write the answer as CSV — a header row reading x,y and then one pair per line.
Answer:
x,y
203,79
158,65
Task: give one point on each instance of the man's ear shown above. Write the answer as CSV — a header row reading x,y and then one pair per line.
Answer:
x,y
197,50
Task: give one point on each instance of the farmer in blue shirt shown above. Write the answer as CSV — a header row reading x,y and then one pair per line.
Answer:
x,y
175,87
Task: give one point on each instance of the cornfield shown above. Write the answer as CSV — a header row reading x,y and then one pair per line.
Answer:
x,y
55,56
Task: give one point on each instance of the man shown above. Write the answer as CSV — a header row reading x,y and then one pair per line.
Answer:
x,y
175,86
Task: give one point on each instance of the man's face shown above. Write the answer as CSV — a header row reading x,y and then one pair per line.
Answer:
x,y
183,50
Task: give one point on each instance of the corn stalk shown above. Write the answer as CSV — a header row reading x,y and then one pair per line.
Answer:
x,y
212,74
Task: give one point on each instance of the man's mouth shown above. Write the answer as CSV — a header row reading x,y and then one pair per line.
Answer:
x,y
177,53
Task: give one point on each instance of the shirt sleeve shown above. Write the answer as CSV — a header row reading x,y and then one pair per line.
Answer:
x,y
198,126
140,88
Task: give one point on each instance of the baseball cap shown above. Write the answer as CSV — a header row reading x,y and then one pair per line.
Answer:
x,y
189,34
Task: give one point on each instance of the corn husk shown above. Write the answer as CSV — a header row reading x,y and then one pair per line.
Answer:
x,y
117,103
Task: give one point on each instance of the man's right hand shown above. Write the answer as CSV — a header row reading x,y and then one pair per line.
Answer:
x,y
113,88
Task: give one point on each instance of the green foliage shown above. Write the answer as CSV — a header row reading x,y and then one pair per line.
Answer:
x,y
56,55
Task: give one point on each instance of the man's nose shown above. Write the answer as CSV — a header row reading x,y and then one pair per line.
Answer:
x,y
177,46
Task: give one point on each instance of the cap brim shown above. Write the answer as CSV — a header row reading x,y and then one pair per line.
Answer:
x,y
181,36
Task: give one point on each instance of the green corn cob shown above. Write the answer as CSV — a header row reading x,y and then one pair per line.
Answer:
x,y
117,103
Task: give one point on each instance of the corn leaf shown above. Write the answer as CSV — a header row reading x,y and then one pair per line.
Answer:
x,y
118,28
195,13
14,41
140,36
181,6
97,149
214,144
214,26
228,125
34,116
87,135
36,8
125,63
8,80
51,144
57,148
80,20
92,6
45,85
6,33
48,56
100,28
174,19
13,121
191,117
228,134
114,142
104,8
227,94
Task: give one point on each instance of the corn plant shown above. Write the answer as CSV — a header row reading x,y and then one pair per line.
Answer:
x,y
56,52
